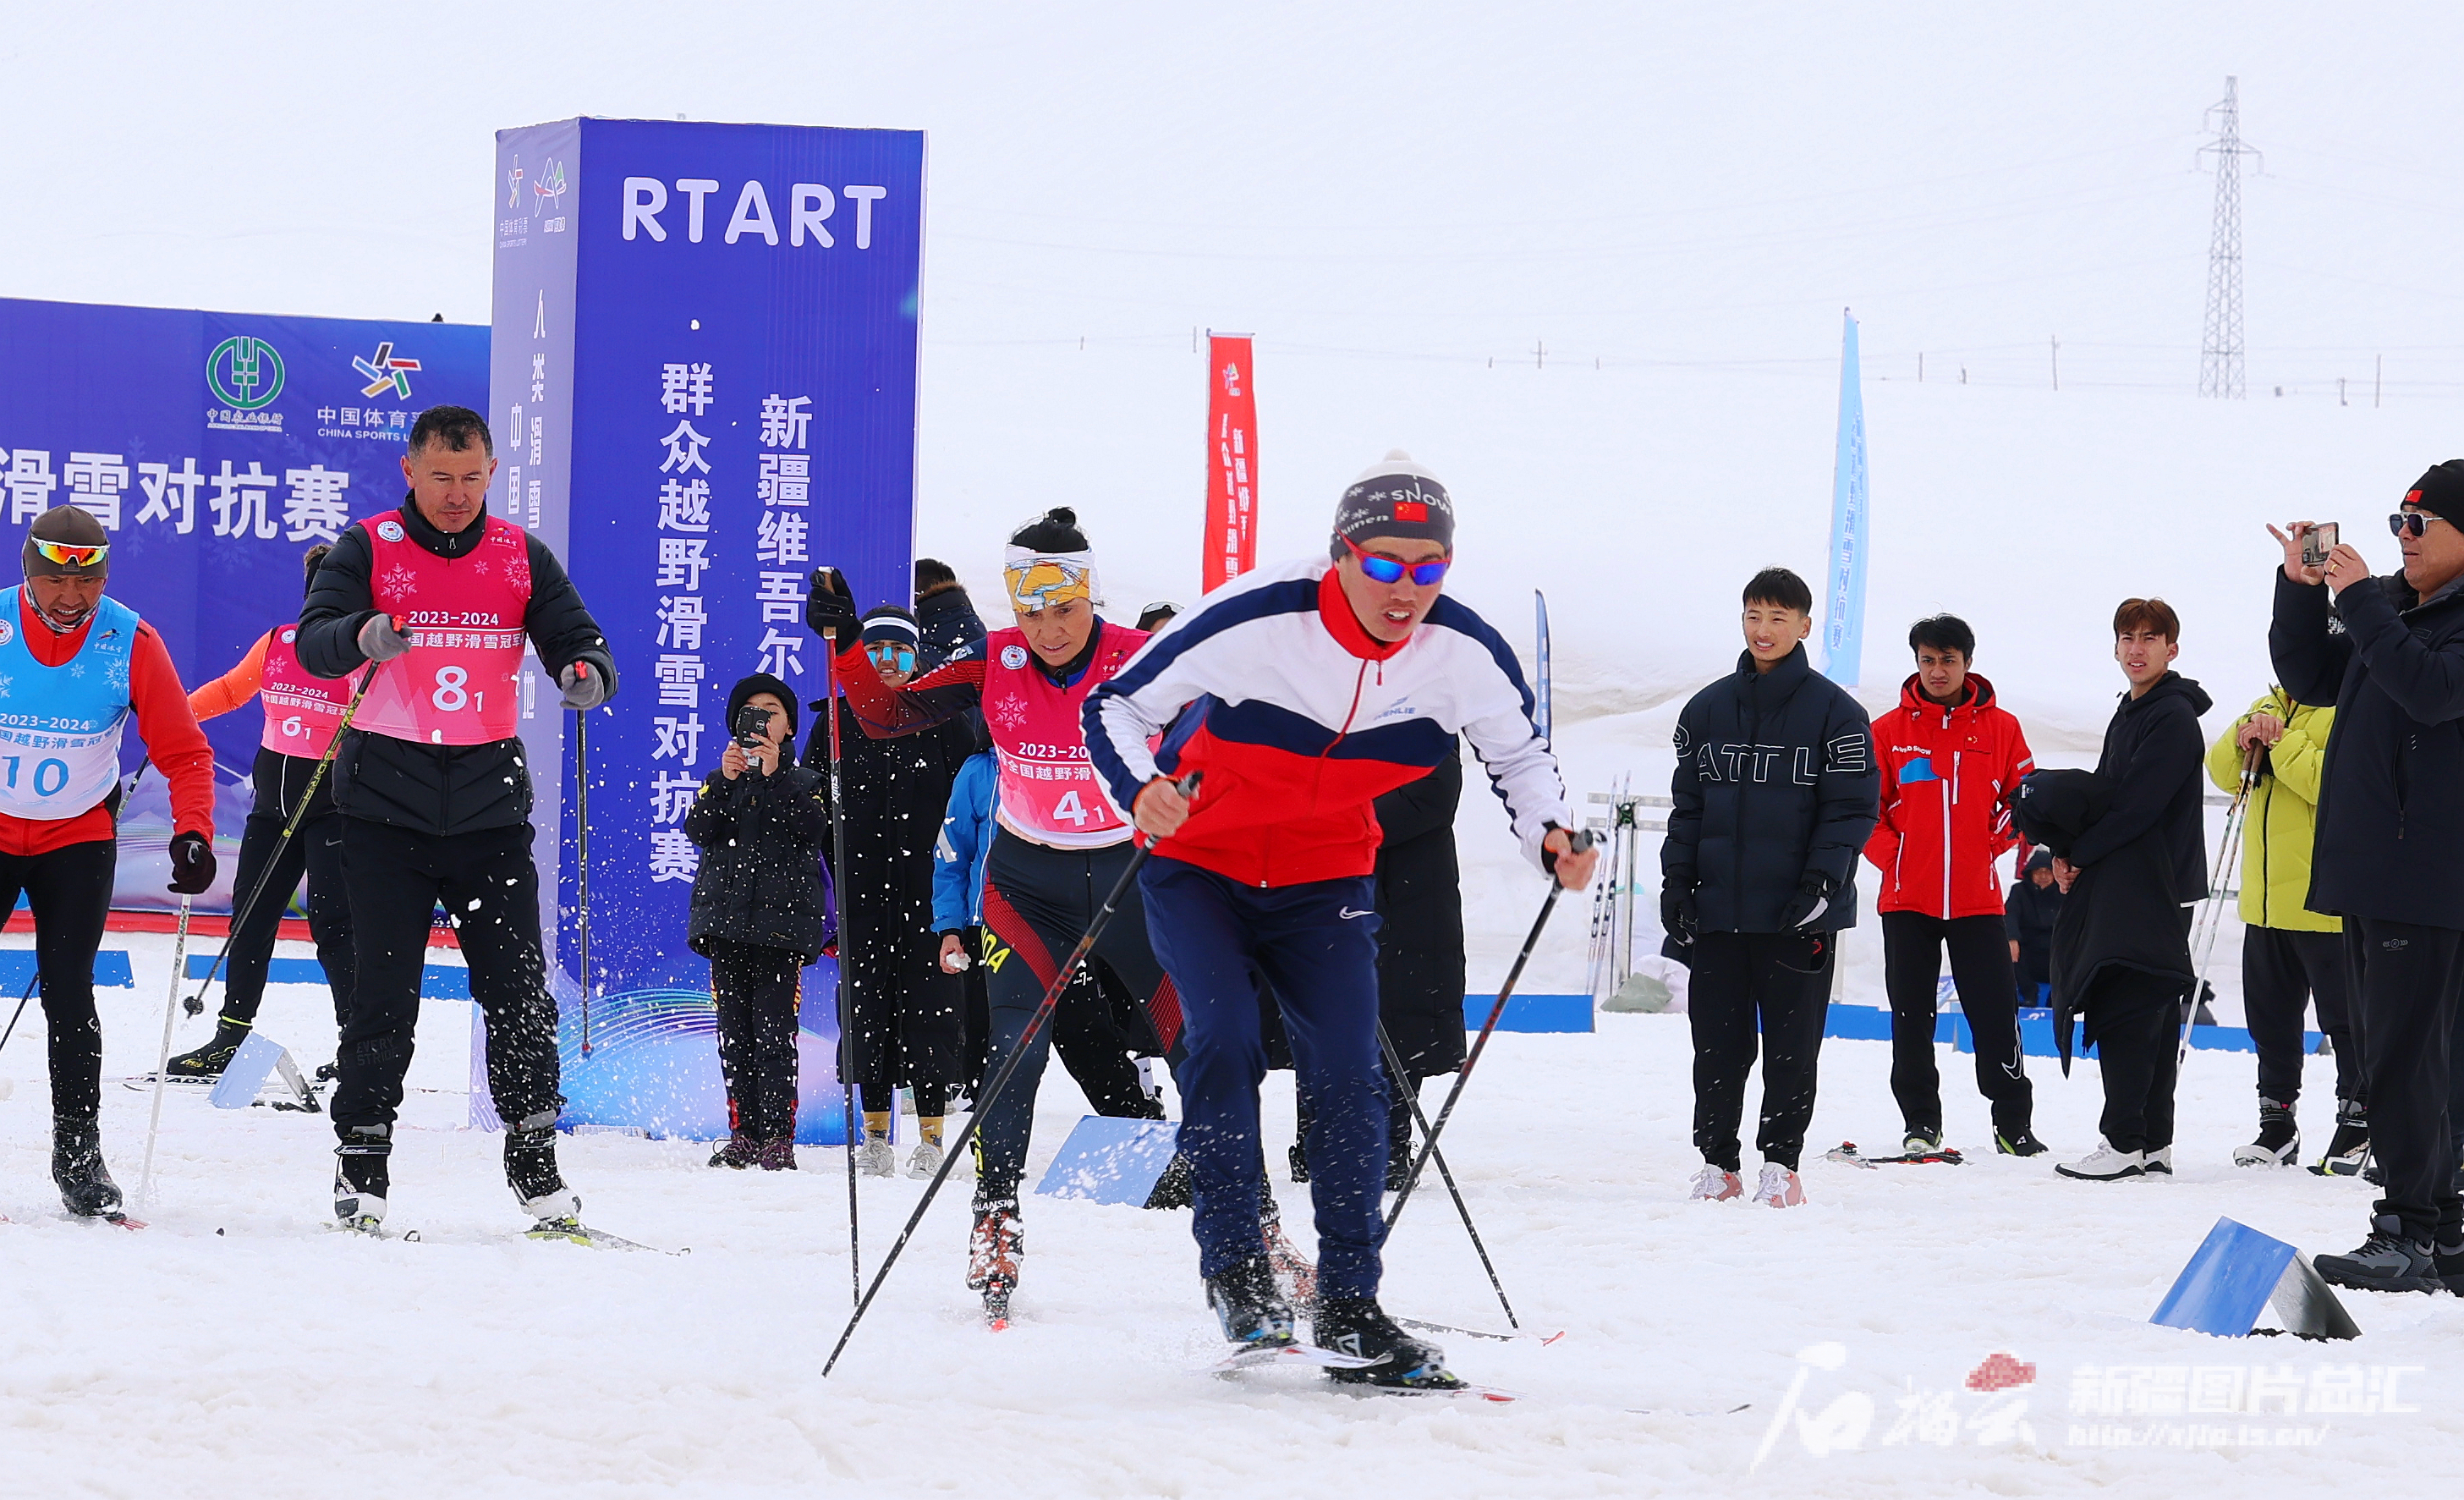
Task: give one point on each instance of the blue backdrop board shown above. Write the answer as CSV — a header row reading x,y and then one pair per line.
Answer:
x,y
703,378
215,447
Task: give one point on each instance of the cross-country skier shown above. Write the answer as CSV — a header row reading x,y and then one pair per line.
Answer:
x,y
78,664
1302,693
301,712
436,795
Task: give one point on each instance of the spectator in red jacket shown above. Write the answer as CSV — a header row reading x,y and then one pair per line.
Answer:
x,y
1952,762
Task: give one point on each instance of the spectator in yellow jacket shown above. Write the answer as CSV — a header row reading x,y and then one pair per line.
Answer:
x,y
2290,955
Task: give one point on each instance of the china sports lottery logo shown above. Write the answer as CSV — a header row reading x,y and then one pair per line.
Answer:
x,y
245,372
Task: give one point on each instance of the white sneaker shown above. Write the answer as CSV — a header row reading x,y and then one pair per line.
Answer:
x,y
2160,1162
2105,1164
926,1161
1715,1185
1778,1187
876,1158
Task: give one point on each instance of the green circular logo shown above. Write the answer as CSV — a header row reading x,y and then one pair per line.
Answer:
x,y
244,373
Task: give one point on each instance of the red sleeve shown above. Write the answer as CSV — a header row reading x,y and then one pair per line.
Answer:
x,y
941,695
1882,845
2019,763
173,741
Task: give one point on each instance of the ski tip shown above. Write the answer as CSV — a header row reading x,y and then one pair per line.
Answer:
x,y
1547,1339
123,1220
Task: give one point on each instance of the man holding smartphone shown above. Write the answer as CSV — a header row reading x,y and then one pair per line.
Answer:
x,y
2390,821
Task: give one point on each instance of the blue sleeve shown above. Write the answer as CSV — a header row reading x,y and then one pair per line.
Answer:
x,y
958,855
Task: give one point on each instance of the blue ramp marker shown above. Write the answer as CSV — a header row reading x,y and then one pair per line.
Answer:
x,y
2235,1274
258,1057
1110,1160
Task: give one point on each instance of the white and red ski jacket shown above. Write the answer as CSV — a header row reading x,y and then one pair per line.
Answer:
x,y
1948,775
1300,719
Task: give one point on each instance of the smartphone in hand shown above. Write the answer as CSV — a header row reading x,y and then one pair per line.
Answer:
x,y
2317,543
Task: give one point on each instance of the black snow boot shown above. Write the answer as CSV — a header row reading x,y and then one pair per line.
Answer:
x,y
210,1060
1253,1313
1358,1327
363,1175
86,1187
2385,1262
1298,1157
2279,1139
530,1166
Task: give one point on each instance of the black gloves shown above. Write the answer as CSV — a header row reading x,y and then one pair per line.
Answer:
x,y
193,864
828,609
1678,915
1813,898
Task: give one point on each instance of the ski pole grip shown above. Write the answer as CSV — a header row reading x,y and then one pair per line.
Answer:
x,y
1578,840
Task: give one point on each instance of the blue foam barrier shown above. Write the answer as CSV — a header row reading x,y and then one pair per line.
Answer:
x,y
246,1073
1531,1012
2238,1272
436,980
110,968
1110,1160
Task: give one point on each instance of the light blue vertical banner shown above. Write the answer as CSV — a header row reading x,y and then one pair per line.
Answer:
x,y
1543,715
1843,622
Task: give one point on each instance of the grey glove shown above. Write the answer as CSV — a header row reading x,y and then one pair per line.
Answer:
x,y
380,641
584,689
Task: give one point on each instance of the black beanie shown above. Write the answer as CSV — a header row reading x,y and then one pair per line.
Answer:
x,y
1056,530
891,623
70,526
1395,498
763,682
2441,491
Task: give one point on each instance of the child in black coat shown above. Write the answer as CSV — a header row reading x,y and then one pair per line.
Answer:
x,y
761,914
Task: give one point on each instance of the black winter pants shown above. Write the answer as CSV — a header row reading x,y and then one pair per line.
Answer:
x,y
1980,964
2138,1053
70,891
315,851
486,879
2282,972
2406,986
1781,983
756,989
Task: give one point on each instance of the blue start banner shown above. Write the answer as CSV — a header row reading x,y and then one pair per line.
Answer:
x,y
215,449
703,379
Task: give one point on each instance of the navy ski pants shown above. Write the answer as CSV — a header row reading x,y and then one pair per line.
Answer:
x,y
1317,946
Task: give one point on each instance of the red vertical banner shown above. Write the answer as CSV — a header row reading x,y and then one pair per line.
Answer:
x,y
1232,462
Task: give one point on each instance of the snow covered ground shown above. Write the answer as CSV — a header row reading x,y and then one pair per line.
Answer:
x,y
238,1348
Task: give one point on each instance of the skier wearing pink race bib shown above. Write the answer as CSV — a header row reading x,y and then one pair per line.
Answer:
x,y
301,713
435,797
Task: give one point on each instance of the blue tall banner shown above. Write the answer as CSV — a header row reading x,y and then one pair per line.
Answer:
x,y
704,381
1544,714
1843,624
215,449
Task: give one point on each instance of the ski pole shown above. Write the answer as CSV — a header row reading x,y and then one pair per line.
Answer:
x,y
1581,840
196,1003
992,1091
2210,926
37,979
1445,1173
163,1062
581,861
839,967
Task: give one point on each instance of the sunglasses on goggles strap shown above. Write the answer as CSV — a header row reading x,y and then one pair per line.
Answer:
x,y
1388,570
66,555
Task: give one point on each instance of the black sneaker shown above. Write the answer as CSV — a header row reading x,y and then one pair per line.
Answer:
x,y
2279,1138
1357,1326
2021,1142
86,1187
1253,1313
363,1175
2385,1262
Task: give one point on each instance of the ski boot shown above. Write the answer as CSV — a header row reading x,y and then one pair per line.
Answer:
x,y
2279,1138
363,1177
1716,1186
1253,1313
2021,1142
778,1154
2387,1261
529,1170
86,1187
1779,1187
993,1250
2349,1149
1921,1140
1298,1157
1295,1275
1357,1326
876,1158
737,1153
208,1061
1174,1189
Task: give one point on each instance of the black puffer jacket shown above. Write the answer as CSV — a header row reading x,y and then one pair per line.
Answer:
x,y
1775,778
2125,910
1420,912
441,789
2154,762
946,619
2391,828
760,880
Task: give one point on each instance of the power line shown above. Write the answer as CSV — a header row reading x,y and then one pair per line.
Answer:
x,y
2220,352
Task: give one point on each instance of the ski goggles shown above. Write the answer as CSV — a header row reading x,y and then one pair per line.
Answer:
x,y
2411,524
1390,570
897,655
67,555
